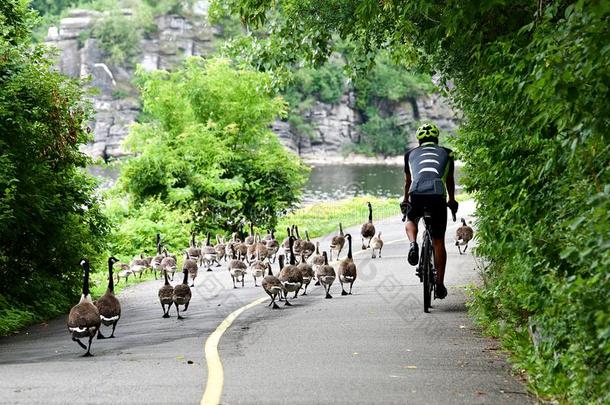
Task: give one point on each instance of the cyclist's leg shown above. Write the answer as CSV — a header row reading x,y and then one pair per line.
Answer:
x,y
413,217
439,226
440,259
411,229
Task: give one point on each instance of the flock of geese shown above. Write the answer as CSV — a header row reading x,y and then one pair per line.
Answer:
x,y
299,263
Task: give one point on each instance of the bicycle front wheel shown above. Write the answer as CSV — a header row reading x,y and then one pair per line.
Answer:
x,y
426,268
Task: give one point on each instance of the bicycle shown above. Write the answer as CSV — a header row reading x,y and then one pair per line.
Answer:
x,y
425,269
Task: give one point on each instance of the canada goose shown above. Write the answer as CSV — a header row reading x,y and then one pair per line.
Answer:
x,y
194,251
377,244
220,249
125,272
347,269
241,250
297,246
337,243
168,264
108,305
166,295
250,238
368,229
156,261
237,268
258,267
272,286
190,266
326,275
317,260
260,249
307,273
290,276
182,294
232,246
286,243
208,253
138,266
307,246
463,235
273,246
84,318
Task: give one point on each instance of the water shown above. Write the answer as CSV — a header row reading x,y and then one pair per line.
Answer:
x,y
326,182
333,182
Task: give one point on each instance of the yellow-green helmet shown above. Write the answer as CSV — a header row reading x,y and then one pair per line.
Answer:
x,y
427,131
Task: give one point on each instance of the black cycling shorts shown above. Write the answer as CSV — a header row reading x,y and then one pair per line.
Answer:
x,y
438,210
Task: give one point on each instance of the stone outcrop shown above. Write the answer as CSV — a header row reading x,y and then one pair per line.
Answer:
x,y
116,102
117,106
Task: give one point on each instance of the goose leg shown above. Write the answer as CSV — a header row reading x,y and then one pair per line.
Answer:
x,y
165,313
99,333
317,282
178,311
81,344
363,245
242,280
88,354
350,288
113,328
328,292
343,292
296,293
465,247
305,290
234,286
288,304
275,305
379,253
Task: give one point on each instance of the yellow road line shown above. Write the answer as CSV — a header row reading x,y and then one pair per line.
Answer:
x,y
213,389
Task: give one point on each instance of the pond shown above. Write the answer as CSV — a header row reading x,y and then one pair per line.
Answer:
x,y
332,182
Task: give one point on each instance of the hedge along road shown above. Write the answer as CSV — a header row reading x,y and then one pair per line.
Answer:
x,y
375,346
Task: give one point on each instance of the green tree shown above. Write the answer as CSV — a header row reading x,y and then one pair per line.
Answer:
x,y
208,152
532,81
49,213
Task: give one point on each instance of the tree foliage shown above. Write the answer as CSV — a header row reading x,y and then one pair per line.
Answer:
x,y
208,152
49,213
532,81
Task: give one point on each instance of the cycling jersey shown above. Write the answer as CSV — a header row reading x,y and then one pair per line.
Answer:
x,y
429,165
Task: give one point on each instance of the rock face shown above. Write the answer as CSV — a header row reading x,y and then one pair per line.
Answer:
x,y
116,101
117,106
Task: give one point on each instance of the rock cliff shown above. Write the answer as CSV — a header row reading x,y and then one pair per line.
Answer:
x,y
117,105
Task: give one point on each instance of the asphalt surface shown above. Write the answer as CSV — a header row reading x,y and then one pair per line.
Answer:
x,y
375,346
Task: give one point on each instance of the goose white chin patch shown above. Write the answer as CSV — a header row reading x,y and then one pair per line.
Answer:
x,y
79,330
113,318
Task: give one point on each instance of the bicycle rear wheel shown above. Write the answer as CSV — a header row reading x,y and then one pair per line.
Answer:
x,y
426,268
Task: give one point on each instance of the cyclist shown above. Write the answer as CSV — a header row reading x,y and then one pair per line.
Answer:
x,y
428,182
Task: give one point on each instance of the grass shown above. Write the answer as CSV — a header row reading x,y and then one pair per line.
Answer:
x,y
323,218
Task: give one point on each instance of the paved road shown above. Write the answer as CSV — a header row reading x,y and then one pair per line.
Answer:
x,y
375,346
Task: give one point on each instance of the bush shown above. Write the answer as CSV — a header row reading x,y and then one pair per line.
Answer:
x,y
119,36
49,211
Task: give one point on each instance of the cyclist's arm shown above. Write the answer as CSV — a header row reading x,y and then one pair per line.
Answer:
x,y
407,177
450,181
407,185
